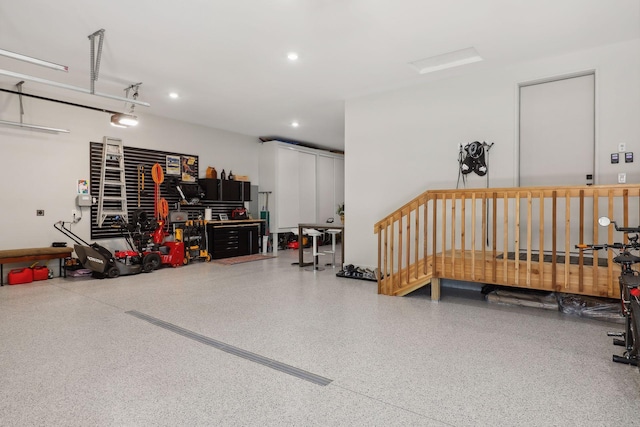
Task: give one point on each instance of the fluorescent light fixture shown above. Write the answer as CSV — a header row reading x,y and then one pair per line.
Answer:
x,y
295,124
292,56
174,95
69,87
32,60
446,60
123,120
35,127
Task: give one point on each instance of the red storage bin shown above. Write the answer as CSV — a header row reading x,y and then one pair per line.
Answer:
x,y
40,273
20,276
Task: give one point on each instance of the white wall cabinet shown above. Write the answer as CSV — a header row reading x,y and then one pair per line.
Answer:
x,y
306,185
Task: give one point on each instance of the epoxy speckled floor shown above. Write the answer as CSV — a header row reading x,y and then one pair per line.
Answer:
x,y
69,355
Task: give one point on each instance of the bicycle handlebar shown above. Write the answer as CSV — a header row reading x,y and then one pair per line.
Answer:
x,y
621,246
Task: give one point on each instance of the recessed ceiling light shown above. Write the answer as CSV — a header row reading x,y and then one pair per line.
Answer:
x,y
446,60
292,56
295,124
174,95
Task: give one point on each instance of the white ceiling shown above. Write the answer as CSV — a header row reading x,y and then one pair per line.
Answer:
x,y
228,59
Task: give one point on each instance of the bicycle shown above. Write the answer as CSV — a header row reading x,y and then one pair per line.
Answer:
x,y
629,282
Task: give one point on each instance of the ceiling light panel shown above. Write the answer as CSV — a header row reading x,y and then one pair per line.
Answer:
x,y
292,56
447,60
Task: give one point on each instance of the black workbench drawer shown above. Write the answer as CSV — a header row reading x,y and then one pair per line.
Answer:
x,y
227,241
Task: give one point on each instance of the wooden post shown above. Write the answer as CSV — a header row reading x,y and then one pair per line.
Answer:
x,y
435,289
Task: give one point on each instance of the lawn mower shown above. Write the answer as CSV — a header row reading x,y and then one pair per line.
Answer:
x,y
103,263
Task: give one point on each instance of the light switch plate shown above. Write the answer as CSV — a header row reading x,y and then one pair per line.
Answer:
x,y
622,147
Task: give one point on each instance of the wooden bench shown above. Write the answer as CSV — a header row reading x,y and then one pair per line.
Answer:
x,y
10,256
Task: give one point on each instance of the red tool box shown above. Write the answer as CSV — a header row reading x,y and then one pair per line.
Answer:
x,y
20,276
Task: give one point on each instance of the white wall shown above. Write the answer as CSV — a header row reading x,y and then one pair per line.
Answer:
x,y
401,143
40,170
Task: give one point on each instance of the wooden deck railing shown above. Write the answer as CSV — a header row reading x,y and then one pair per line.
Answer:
x,y
522,237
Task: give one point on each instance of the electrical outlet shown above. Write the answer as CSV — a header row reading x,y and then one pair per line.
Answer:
x,y
622,178
622,147
40,212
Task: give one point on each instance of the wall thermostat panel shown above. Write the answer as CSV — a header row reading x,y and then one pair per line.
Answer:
x,y
615,158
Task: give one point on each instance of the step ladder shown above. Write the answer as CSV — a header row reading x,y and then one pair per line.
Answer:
x,y
112,199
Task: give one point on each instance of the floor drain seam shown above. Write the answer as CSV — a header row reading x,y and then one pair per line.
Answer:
x,y
392,404
238,352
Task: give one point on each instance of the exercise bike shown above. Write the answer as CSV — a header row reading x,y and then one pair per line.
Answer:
x,y
629,281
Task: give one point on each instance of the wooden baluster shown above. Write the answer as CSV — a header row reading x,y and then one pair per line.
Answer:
x,y
581,253
380,248
400,241
387,287
444,234
610,254
494,255
554,244
417,242
463,236
434,238
473,236
408,260
484,236
453,235
567,238
625,214
541,251
392,257
595,260
517,240
425,250
505,232
529,227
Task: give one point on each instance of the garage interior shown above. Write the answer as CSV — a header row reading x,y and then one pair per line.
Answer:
x,y
311,107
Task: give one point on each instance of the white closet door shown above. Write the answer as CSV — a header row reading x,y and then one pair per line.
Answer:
x,y
325,186
288,194
307,188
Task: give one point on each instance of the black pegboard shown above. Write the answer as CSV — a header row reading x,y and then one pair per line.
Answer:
x,y
133,157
